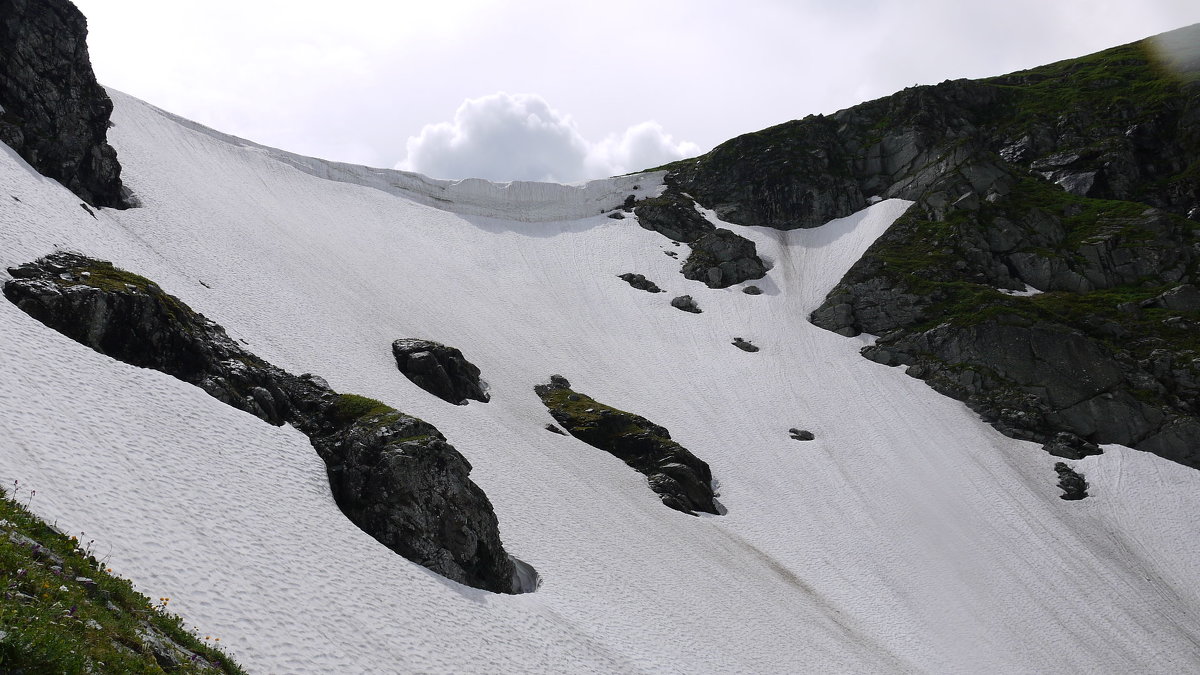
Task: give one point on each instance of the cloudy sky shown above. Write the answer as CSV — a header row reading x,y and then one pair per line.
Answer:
x,y
553,90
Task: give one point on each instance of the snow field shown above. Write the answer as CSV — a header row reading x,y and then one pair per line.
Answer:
x,y
909,536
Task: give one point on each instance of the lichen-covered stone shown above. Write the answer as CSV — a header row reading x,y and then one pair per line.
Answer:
x,y
681,480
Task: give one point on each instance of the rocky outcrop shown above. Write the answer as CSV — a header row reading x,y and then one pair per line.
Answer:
x,y
1045,382
681,480
686,304
1070,446
393,475
131,319
1054,222
674,216
440,370
1071,482
52,111
801,434
640,282
720,258
397,478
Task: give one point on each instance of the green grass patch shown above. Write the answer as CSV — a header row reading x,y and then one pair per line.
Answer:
x,y
73,616
351,407
595,423
1122,85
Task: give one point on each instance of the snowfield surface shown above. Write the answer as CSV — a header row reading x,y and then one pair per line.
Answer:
x,y
909,536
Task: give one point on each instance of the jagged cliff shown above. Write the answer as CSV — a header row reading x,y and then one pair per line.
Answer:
x,y
1046,272
52,111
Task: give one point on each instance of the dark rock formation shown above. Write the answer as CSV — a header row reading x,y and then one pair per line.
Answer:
x,y
744,345
440,370
393,475
719,258
1070,446
1077,179
555,430
682,481
674,216
131,319
397,478
686,303
1045,382
52,111
640,282
801,434
1071,482
752,290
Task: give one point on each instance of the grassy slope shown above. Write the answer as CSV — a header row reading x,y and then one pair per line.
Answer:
x,y
63,612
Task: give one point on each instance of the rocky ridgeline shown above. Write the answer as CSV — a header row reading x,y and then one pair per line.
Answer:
x,y
1078,180
681,480
719,257
440,370
52,111
393,475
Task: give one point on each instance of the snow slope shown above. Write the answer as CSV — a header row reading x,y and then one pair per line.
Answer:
x,y
908,536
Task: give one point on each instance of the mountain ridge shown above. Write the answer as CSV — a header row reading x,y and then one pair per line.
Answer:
x,y
906,536
1078,178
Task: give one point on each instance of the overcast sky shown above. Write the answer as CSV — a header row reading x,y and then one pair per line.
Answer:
x,y
554,90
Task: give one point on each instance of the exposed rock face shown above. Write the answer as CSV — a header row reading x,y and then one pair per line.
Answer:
x,y
682,481
686,303
787,176
1071,482
393,475
1033,380
719,257
52,111
1070,446
674,216
131,319
640,282
1054,223
397,478
440,370
801,434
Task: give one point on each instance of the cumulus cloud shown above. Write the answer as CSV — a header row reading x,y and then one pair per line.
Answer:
x,y
520,137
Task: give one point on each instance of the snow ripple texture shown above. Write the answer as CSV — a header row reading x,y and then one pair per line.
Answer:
x,y
908,537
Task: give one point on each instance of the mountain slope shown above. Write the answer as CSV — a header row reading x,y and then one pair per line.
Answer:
x,y
909,536
1053,206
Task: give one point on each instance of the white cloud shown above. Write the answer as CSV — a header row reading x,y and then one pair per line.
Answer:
x,y
520,137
